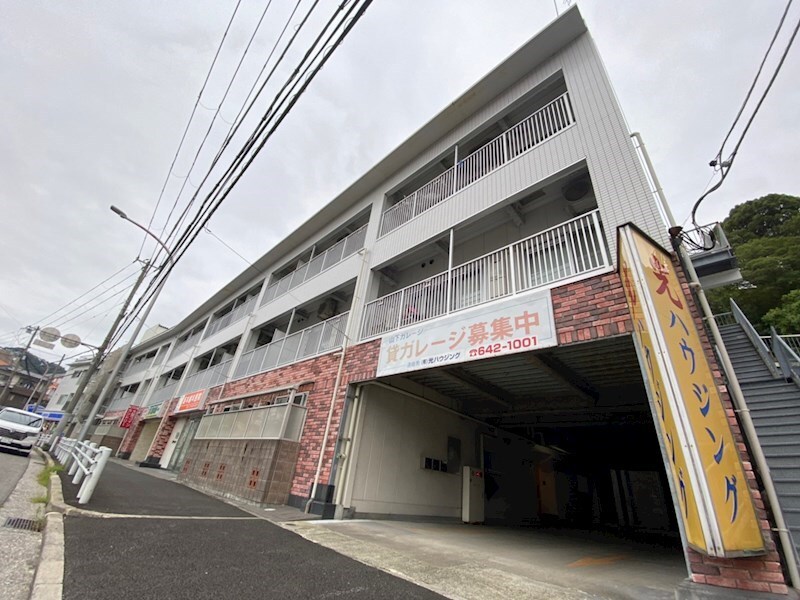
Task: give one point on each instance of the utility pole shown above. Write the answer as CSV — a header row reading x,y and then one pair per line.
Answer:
x,y
98,357
7,386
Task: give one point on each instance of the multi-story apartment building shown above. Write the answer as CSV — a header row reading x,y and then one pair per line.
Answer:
x,y
459,306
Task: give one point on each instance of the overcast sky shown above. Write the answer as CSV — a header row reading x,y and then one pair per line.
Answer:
x,y
94,97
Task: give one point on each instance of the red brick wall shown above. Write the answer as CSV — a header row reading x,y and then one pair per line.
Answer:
x,y
757,574
591,309
360,364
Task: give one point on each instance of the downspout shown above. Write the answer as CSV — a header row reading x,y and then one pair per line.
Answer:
x,y
740,405
336,383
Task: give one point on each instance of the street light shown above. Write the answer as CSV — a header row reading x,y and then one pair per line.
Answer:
x,y
110,382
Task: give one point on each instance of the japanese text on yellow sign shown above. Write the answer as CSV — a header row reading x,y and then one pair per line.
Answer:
x,y
688,405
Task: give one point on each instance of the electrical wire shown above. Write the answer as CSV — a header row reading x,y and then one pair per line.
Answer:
x,y
233,130
189,123
89,291
725,166
211,125
243,160
57,322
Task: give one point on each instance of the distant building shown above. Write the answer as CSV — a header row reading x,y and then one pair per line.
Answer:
x,y
26,375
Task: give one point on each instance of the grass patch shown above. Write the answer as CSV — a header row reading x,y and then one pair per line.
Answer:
x,y
44,475
39,499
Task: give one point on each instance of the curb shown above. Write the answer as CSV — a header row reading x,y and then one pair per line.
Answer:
x,y
48,583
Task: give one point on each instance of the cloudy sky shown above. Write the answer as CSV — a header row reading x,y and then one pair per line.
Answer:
x,y
94,98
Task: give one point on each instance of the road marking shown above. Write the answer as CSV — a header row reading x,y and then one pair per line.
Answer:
x,y
590,561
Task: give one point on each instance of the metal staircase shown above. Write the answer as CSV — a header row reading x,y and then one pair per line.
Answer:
x,y
768,378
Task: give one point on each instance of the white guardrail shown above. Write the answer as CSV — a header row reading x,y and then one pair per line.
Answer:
x,y
83,459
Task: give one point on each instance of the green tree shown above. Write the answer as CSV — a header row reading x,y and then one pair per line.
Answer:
x,y
786,317
765,235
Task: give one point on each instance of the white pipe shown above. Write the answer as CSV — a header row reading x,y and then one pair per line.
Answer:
x,y
327,428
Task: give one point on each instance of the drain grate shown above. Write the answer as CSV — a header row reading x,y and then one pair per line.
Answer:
x,y
25,524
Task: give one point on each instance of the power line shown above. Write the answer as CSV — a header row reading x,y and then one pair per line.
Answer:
x,y
57,322
208,131
234,129
188,125
89,291
242,161
725,166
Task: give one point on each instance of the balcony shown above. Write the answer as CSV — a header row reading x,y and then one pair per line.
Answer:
x,y
317,339
237,314
186,344
139,366
277,421
322,262
546,122
164,393
569,250
207,378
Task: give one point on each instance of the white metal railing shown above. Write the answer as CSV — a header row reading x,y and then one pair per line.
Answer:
x,y
139,366
322,262
277,421
552,118
573,248
229,318
83,459
786,356
121,400
792,341
187,343
317,339
207,378
163,393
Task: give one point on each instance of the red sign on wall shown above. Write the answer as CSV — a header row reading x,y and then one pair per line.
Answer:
x,y
191,401
127,419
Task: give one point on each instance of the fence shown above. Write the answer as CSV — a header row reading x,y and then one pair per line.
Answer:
x,y
317,339
84,459
229,318
333,255
529,133
567,250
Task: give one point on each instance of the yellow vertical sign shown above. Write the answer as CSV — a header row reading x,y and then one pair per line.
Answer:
x,y
708,479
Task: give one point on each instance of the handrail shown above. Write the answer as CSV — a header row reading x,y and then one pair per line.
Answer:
x,y
341,250
82,458
758,343
552,118
787,358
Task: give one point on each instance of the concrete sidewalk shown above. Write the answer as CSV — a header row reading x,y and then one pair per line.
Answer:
x,y
146,537
19,548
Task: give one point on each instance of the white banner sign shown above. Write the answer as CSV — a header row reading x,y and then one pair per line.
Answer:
x,y
517,324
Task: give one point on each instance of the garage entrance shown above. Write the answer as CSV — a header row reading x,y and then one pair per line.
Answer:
x,y
563,438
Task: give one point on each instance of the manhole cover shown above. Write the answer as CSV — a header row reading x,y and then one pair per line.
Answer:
x,y
25,524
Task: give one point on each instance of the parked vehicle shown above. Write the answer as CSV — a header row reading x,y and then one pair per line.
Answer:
x,y
19,429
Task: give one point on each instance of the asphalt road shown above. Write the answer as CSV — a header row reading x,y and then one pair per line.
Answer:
x,y
202,548
12,466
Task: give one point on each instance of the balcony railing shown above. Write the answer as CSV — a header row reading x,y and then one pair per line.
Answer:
x,y
263,422
164,393
139,366
237,314
187,343
207,378
540,126
317,339
573,248
322,262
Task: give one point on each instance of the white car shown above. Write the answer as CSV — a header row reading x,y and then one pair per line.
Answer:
x,y
19,429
